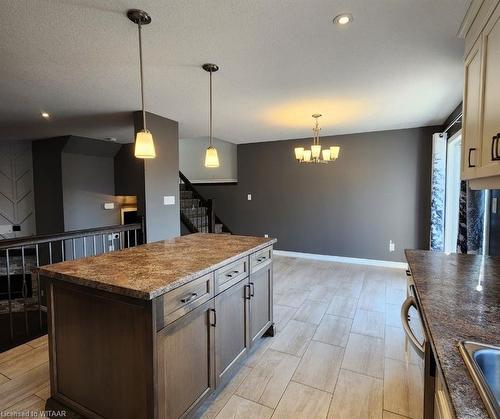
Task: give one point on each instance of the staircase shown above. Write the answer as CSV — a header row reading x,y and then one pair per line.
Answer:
x,y
198,213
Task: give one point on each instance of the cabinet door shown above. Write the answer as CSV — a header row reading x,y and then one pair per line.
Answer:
x,y
231,329
261,301
471,133
491,97
185,358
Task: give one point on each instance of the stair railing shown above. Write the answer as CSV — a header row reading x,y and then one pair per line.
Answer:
x,y
209,204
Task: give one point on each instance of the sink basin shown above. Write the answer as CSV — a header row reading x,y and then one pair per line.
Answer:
x,y
483,362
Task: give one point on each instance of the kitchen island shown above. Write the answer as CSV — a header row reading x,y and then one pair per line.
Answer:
x,y
459,299
153,330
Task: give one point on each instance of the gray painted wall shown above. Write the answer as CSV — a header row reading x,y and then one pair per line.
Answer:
x,y
88,182
192,161
161,178
378,190
17,204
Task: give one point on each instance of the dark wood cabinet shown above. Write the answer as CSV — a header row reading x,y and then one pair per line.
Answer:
x,y
231,329
185,361
261,301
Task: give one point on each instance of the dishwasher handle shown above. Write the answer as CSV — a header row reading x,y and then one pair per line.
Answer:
x,y
410,302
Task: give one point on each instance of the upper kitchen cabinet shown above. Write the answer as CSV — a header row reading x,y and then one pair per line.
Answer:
x,y
481,120
471,132
491,97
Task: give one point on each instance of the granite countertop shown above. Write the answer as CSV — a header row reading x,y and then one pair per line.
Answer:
x,y
152,269
455,308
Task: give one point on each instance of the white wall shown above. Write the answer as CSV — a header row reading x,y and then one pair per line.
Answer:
x,y
192,161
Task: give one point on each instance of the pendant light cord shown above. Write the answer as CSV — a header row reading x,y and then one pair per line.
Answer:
x,y
142,78
210,138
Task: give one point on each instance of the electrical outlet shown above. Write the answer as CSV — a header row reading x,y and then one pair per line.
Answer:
x,y
249,197
266,236
169,200
392,246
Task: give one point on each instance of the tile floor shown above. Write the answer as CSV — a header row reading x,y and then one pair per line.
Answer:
x,y
339,353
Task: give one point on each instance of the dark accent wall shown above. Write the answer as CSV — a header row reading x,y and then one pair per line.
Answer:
x,y
495,226
47,184
161,178
378,190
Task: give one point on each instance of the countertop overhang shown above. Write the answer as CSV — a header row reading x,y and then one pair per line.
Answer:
x,y
459,296
148,271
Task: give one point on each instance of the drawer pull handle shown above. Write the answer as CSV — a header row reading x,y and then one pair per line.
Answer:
x,y
494,147
261,259
230,274
214,324
408,272
248,294
252,289
470,152
189,297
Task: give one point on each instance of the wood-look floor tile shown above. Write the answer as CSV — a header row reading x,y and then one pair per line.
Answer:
x,y
23,386
370,323
333,330
14,352
300,402
397,347
267,381
372,296
214,404
258,351
30,406
239,408
393,315
319,366
25,361
395,296
311,312
295,338
350,288
365,355
44,392
403,390
281,316
390,415
291,297
356,396
3,379
342,306
42,340
323,293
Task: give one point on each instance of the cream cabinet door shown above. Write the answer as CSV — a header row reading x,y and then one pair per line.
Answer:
x,y
490,162
471,132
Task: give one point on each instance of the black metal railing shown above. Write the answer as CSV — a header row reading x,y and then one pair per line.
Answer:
x,y
22,297
197,213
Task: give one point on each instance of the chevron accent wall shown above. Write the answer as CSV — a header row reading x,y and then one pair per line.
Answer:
x,y
17,205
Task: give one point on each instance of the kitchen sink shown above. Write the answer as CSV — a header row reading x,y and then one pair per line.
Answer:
x,y
483,362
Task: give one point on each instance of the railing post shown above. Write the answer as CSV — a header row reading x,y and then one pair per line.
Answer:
x,y
211,215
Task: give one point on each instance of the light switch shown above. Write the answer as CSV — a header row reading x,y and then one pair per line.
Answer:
x,y
109,205
169,200
249,197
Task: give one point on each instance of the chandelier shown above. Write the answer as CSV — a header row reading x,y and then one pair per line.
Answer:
x,y
316,154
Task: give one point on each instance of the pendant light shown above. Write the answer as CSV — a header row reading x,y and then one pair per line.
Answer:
x,y
211,156
144,145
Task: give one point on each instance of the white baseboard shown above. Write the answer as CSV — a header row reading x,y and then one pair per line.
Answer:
x,y
343,259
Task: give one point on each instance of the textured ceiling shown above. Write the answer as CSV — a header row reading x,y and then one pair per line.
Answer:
x,y
399,64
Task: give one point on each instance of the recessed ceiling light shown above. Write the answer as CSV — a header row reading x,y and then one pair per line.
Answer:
x,y
342,19
45,115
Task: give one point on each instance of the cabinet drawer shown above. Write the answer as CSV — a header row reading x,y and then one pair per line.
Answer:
x,y
260,259
231,274
182,300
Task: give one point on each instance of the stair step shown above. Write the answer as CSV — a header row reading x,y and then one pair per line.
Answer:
x,y
186,194
190,203
194,212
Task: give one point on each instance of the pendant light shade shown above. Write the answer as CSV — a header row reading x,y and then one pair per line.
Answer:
x,y
144,144
211,156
